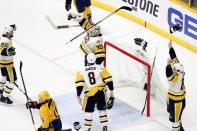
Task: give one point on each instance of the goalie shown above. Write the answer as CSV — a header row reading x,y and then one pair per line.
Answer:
x,y
84,15
141,53
93,80
176,92
93,43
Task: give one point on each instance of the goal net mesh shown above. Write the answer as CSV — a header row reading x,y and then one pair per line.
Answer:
x,y
131,67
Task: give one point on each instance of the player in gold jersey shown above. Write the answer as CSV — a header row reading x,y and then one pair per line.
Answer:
x,y
84,15
48,112
93,81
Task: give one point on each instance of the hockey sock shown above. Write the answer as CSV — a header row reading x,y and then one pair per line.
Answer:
x,y
88,121
103,117
8,89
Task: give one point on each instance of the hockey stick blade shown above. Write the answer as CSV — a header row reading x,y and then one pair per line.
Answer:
x,y
21,65
66,26
51,22
126,8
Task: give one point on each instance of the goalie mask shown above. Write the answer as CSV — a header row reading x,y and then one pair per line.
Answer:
x,y
141,42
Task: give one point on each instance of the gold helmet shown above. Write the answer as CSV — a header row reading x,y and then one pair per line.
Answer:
x,y
43,96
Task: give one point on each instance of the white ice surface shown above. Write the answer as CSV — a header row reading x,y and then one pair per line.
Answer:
x,y
50,65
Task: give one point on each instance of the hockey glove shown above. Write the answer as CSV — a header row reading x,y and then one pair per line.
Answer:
x,y
76,126
110,103
176,27
68,4
11,51
138,41
32,104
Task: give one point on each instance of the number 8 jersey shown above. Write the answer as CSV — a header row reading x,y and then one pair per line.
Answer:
x,y
93,79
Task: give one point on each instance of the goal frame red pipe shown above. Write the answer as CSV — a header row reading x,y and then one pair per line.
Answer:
x,y
139,60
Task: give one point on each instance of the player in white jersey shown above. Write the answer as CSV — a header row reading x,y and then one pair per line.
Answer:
x,y
176,92
93,43
8,74
141,53
93,80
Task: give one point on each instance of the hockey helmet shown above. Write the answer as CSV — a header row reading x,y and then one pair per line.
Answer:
x,y
43,96
94,32
91,58
141,42
178,67
76,125
9,29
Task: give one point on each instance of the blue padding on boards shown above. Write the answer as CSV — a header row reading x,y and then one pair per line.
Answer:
x,y
120,116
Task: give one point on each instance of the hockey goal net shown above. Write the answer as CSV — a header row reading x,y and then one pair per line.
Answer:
x,y
129,70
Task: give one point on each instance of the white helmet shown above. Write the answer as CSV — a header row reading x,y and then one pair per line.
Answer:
x,y
93,32
91,58
178,67
9,29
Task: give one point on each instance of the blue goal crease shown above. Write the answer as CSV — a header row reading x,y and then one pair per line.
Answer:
x,y
120,116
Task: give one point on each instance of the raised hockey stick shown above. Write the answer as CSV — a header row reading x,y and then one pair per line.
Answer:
x,y
59,26
150,80
32,118
22,91
123,7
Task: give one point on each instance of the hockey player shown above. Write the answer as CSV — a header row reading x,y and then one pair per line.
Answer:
x,y
84,16
8,74
93,43
176,92
93,80
142,54
48,112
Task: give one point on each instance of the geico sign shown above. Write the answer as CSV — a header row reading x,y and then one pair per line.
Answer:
x,y
189,23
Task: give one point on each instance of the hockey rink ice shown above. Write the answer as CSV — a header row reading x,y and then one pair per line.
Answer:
x,y
50,64
117,121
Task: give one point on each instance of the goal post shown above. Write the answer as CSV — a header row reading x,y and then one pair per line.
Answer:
x,y
118,51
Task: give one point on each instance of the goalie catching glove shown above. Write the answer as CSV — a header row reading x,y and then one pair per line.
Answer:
x,y
110,102
33,104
